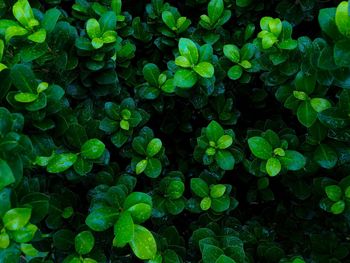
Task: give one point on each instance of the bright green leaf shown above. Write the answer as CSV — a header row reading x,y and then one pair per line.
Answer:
x,y
92,149
16,218
143,244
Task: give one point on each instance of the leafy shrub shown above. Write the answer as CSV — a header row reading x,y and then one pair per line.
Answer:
x,y
212,131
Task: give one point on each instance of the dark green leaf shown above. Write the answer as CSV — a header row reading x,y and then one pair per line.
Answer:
x,y
293,160
199,187
325,156
6,175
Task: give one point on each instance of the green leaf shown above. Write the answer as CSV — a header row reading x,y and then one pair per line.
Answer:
x,y
31,251
4,240
141,166
300,95
169,19
215,10
264,22
225,160
82,166
214,131
92,149
63,239
220,204
199,187
217,190
151,73
288,44
342,18
23,78
273,166
232,53
117,6
102,218
175,189
183,62
108,22
6,175
235,72
224,141
16,218
83,44
137,198
39,36
185,78
119,139
269,40
341,53
326,19
260,147
248,51
292,160
225,259
334,192
143,244
89,260
275,26
67,212
124,124
84,242
338,207
182,23
23,13
211,253
306,114
205,203
5,200
188,49
93,28
109,37
153,147
154,168
246,64
26,97
320,104
42,87
325,156
204,69
97,43
24,234
61,162
2,47
123,230
334,118
14,31
50,19
305,82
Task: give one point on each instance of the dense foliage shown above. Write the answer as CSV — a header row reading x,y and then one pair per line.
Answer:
x,y
183,131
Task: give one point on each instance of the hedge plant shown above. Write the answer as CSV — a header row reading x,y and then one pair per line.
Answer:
x,y
212,131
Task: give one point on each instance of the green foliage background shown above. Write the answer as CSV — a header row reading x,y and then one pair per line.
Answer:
x,y
182,131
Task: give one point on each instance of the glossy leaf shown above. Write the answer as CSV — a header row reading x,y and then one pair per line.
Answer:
x,y
143,244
